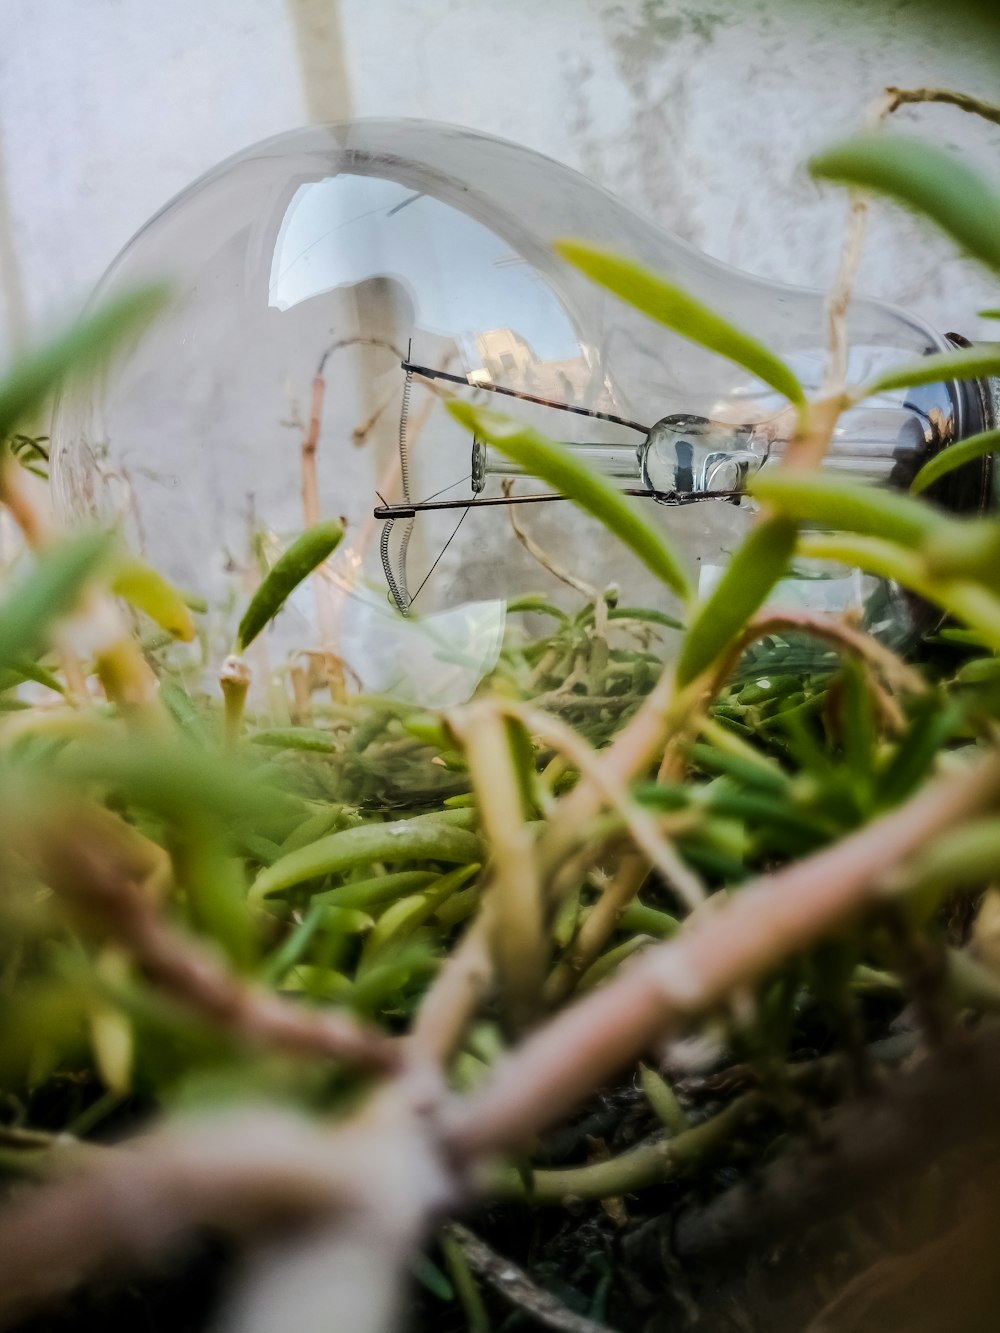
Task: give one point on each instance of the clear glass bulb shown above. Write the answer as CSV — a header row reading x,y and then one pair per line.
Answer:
x,y
334,287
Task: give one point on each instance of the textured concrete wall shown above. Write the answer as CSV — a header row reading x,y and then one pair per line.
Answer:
x,y
700,112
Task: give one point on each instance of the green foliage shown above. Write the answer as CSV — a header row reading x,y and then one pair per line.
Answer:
x,y
148,591
304,555
441,837
746,581
333,865
670,305
32,379
925,178
850,506
296,738
170,778
955,456
32,452
46,594
966,364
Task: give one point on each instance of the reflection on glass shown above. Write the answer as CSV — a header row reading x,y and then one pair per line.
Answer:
x,y
334,287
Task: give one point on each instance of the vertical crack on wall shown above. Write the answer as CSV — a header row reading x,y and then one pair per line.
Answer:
x,y
319,43
15,306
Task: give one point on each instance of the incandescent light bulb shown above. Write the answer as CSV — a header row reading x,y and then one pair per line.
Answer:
x,y
335,286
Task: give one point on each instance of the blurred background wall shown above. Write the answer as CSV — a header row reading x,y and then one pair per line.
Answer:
x,y
699,112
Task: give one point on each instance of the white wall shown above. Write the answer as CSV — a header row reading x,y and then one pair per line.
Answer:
x,y
699,113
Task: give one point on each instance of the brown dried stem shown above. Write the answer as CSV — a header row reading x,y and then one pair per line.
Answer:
x,y
717,953
839,297
542,556
134,1201
517,1287
101,877
461,986
975,106
376,1178
310,448
518,946
886,665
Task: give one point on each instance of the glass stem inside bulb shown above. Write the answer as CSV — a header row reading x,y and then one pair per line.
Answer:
x,y
683,453
689,455
618,461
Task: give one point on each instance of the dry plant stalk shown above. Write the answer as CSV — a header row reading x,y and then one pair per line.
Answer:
x,y
102,875
517,1287
716,954
838,300
543,558
518,943
361,1195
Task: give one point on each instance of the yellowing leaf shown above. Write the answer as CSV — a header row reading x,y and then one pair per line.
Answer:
x,y
149,592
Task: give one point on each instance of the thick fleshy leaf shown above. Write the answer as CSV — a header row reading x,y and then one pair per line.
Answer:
x,y
149,592
31,379
435,837
295,564
296,738
46,594
955,456
669,304
924,178
175,779
543,458
968,601
748,578
850,506
968,363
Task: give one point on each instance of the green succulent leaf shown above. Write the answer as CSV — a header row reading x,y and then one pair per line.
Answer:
x,y
748,578
926,179
435,837
87,344
955,456
46,595
304,555
968,601
175,779
967,363
670,305
296,738
850,506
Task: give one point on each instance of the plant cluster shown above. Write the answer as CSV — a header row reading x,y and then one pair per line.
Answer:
x,y
601,946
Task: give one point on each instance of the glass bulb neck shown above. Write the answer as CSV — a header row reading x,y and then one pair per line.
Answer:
x,y
617,461
681,453
689,455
